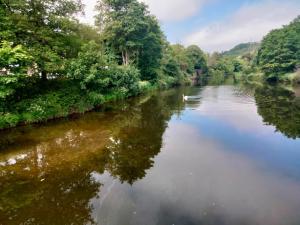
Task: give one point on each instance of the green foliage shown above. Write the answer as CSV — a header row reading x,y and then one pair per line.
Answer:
x,y
95,70
179,64
174,62
276,59
238,63
52,66
14,62
280,50
216,77
67,98
13,58
133,34
220,67
242,49
90,67
45,28
197,59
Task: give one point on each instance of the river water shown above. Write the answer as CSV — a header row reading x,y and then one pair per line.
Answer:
x,y
231,156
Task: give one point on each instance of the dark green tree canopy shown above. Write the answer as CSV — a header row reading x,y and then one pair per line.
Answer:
x,y
280,50
197,58
133,33
45,27
51,65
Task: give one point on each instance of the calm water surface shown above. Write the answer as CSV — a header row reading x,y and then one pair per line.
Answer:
x,y
231,157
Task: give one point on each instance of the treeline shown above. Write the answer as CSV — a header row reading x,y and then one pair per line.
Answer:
x,y
51,65
280,51
275,59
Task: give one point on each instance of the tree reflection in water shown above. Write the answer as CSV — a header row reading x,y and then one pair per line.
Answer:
x,y
131,152
279,107
46,174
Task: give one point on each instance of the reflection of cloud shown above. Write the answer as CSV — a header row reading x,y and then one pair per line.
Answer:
x,y
224,104
13,160
202,183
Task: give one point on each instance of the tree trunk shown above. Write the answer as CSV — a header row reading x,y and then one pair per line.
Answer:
x,y
44,76
125,58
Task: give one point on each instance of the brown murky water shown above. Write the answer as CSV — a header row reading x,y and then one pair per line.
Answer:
x,y
229,157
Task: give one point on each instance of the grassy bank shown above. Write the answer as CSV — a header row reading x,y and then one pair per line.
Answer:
x,y
259,77
64,98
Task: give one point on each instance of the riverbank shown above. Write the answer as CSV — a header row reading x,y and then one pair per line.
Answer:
x,y
259,77
61,99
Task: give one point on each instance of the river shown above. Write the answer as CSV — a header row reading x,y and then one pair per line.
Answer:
x,y
229,157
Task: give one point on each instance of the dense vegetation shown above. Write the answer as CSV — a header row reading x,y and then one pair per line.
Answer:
x,y
280,50
242,49
276,58
222,68
51,65
233,65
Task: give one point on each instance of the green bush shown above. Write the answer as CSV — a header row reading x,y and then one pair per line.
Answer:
x,y
8,120
95,70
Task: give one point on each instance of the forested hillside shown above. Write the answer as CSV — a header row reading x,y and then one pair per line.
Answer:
x,y
51,65
242,49
275,59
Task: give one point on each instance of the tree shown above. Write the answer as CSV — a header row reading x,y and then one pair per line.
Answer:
x,y
45,28
96,71
180,56
14,62
197,58
280,50
132,33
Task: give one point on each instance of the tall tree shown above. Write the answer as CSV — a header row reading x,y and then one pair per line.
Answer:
x,y
45,28
280,50
197,58
133,33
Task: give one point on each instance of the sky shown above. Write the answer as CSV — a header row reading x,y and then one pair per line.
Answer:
x,y
216,25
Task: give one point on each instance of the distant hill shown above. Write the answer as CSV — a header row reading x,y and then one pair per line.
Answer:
x,y
242,49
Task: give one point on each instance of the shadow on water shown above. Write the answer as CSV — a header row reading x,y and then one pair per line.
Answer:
x,y
47,172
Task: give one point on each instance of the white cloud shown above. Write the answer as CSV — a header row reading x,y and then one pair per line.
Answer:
x,y
249,23
89,11
174,10
165,10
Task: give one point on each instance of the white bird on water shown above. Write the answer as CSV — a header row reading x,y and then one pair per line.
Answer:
x,y
187,98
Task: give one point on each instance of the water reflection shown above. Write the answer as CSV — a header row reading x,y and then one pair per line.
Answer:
x,y
48,175
204,183
280,107
131,152
160,160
